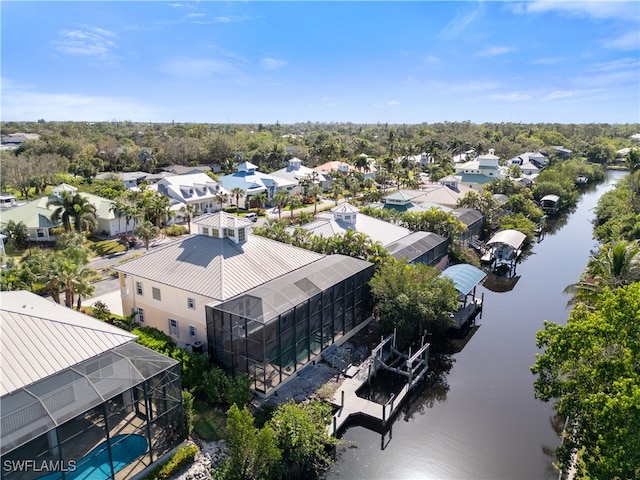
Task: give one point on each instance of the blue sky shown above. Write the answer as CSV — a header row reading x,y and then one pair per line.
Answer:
x,y
363,62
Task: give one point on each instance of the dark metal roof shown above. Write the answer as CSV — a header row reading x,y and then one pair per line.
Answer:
x,y
414,245
468,216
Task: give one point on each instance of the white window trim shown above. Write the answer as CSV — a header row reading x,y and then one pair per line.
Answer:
x,y
174,331
191,303
153,294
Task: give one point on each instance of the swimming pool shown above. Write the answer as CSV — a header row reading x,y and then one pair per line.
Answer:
x,y
95,464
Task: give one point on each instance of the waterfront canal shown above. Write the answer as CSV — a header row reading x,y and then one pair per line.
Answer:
x,y
476,417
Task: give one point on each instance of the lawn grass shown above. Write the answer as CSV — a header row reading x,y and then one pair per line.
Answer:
x,y
208,422
105,247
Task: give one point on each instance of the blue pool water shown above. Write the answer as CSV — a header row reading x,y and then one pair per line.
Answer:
x,y
95,464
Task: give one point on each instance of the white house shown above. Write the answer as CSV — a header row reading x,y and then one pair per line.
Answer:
x,y
252,182
483,169
296,172
193,189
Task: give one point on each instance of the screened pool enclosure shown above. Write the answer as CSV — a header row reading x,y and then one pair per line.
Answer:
x,y
107,417
273,330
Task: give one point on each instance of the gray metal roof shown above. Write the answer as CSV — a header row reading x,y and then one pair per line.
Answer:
x,y
40,338
265,302
415,245
513,238
218,268
221,220
468,216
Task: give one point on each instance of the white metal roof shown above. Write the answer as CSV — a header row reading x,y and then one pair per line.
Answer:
x,y
40,338
218,268
513,238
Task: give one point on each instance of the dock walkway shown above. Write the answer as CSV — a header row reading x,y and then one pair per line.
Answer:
x,y
350,404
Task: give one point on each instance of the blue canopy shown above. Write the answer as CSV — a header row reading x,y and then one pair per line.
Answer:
x,y
465,276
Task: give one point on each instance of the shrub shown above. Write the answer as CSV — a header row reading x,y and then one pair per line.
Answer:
x,y
175,230
101,311
155,340
188,412
183,457
214,385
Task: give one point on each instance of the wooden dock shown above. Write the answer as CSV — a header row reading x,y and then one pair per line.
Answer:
x,y
351,405
412,365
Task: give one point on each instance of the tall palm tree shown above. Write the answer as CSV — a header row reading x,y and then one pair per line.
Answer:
x,y
362,163
221,198
118,209
315,192
147,231
280,200
64,209
336,191
188,212
238,192
295,201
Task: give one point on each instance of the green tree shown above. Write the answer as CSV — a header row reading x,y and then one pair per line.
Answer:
x,y
147,231
189,211
280,200
17,234
412,299
589,368
101,311
295,201
301,435
315,191
238,192
221,198
253,452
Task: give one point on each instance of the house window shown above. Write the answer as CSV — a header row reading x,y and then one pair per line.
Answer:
x,y
174,331
228,232
215,232
191,303
347,217
139,314
241,235
192,332
156,293
139,288
205,230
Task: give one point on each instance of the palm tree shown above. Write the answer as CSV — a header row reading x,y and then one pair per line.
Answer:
x,y
336,191
362,163
295,201
633,164
188,212
64,209
77,207
118,207
17,233
147,231
238,192
616,265
280,200
221,198
260,199
315,192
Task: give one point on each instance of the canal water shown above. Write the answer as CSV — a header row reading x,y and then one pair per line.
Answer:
x,y
476,417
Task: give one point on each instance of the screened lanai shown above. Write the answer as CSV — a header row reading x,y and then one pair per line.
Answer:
x,y
273,330
426,248
81,399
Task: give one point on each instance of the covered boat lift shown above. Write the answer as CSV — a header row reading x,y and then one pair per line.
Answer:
x,y
550,204
466,278
504,248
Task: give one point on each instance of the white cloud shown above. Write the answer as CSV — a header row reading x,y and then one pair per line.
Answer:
x,y
548,61
627,41
559,94
199,68
272,63
512,97
392,103
495,51
23,104
616,65
92,41
432,59
461,21
584,9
